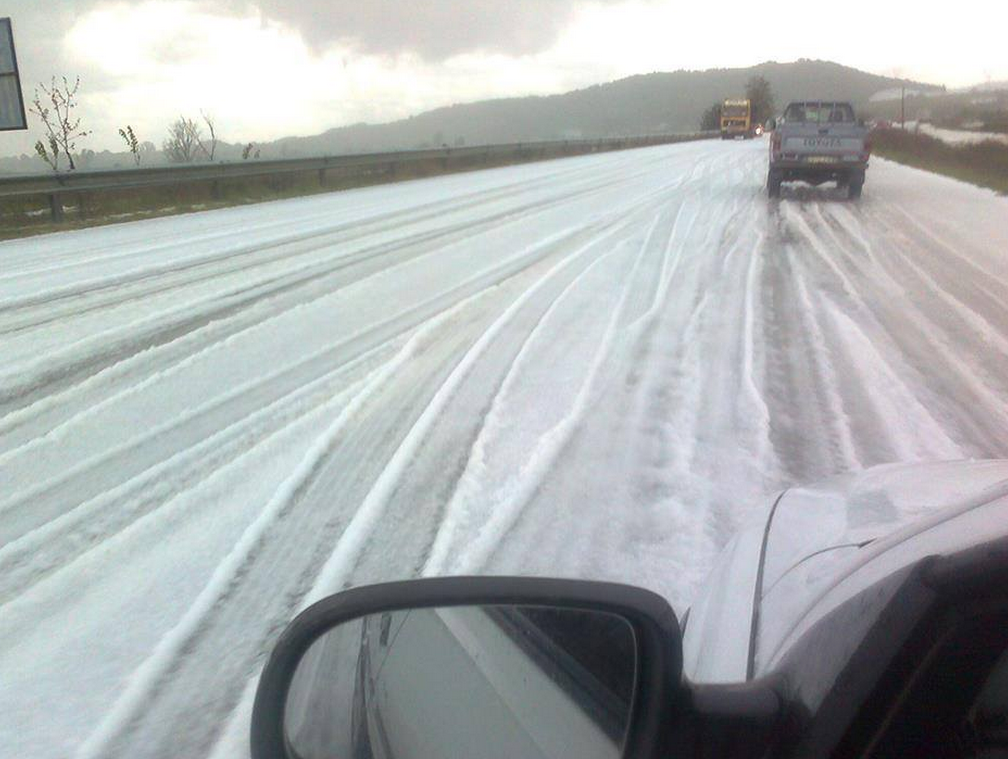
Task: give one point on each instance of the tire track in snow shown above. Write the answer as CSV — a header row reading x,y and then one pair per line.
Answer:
x,y
471,405
921,341
511,217
107,351
921,436
663,512
732,432
331,234
224,322
884,373
980,275
507,507
248,257
750,381
632,428
336,570
986,326
289,285
456,512
846,456
36,553
77,479
802,369
145,679
352,229
28,381
376,494
368,213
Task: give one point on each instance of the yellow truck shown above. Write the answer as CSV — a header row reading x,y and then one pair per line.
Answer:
x,y
736,119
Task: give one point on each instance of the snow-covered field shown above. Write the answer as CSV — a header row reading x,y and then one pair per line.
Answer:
x,y
956,136
596,367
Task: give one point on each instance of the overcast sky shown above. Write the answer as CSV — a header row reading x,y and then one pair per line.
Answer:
x,y
268,68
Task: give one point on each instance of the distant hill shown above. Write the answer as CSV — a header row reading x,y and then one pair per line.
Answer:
x,y
637,105
644,104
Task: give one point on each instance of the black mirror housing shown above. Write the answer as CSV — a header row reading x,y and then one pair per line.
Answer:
x,y
656,630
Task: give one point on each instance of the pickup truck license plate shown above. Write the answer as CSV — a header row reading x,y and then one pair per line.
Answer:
x,y
819,159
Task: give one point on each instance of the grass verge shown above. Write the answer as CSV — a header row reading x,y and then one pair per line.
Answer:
x,y
980,163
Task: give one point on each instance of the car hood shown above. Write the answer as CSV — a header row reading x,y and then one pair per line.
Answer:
x,y
854,509
816,534
776,569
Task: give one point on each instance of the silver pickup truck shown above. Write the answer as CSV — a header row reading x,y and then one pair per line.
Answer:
x,y
818,141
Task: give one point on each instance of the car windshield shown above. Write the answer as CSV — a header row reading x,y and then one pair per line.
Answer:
x,y
298,296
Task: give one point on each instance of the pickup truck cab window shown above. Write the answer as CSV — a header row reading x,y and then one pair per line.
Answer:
x,y
825,113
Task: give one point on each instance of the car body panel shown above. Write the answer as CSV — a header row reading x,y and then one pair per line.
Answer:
x,y
981,522
824,544
719,626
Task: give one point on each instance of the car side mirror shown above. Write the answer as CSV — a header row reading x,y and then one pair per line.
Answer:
x,y
771,125
474,666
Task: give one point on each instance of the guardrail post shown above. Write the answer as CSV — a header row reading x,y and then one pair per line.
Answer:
x,y
56,207
215,190
321,177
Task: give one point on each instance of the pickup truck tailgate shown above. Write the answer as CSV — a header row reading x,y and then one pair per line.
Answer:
x,y
821,139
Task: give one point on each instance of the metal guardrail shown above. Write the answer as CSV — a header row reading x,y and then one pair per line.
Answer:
x,y
58,184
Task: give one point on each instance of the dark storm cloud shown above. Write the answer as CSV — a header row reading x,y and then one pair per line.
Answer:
x,y
433,29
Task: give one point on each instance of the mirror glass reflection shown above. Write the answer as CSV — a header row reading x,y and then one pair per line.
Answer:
x,y
486,682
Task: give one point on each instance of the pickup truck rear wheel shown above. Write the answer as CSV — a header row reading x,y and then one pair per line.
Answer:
x,y
854,188
773,184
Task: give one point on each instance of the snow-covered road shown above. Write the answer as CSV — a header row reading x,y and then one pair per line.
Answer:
x,y
594,367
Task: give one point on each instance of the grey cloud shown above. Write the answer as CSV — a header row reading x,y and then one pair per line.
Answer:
x,y
39,31
432,29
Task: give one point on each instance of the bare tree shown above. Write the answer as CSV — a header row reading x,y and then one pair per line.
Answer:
x,y
131,142
56,109
184,141
213,138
